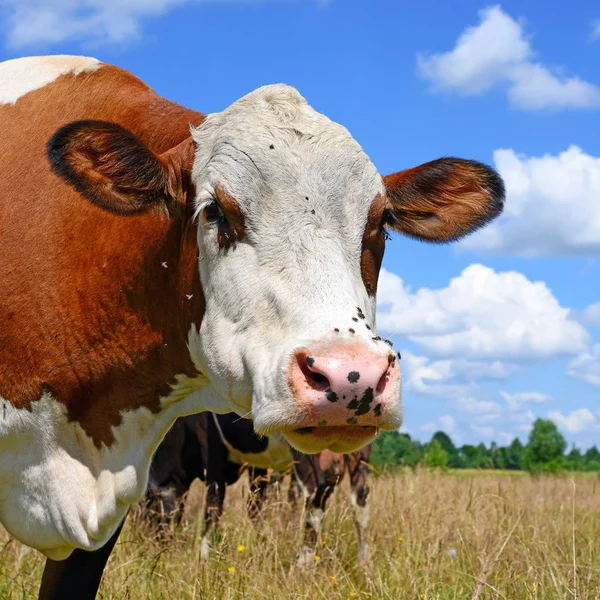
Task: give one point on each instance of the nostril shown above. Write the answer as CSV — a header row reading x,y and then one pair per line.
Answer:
x,y
314,378
383,382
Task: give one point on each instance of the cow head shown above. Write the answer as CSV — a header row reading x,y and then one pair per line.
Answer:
x,y
292,222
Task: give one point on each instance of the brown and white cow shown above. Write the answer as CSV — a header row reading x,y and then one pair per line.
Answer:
x,y
157,262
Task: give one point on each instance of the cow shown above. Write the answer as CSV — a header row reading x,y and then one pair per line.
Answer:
x,y
217,448
157,262
317,475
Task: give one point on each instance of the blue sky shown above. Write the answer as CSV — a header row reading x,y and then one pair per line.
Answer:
x,y
498,329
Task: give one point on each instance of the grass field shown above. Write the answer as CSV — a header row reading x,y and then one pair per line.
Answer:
x,y
432,536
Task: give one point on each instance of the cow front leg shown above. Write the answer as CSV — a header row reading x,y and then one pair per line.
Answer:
x,y
360,509
213,509
259,484
77,577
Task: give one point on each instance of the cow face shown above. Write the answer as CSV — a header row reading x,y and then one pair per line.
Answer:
x,y
292,221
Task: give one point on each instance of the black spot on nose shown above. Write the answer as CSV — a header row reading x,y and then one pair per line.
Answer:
x,y
312,212
353,376
388,342
310,361
391,359
272,147
351,330
351,421
368,326
336,330
331,396
365,402
355,319
377,410
399,356
353,404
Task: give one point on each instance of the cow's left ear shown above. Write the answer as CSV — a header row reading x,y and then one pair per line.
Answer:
x,y
445,199
116,171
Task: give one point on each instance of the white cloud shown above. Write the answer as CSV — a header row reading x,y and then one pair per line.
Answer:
x,y
587,366
591,315
448,378
578,421
498,52
46,22
481,315
445,423
516,401
483,431
474,406
551,206
505,438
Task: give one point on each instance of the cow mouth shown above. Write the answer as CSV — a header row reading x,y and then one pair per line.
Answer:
x,y
341,439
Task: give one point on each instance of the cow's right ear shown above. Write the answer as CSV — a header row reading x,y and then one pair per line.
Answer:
x,y
113,169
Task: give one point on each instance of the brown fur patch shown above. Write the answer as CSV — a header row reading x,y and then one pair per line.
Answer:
x,y
95,306
373,246
235,227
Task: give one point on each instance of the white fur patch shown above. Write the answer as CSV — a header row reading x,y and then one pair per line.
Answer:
x,y
23,75
58,491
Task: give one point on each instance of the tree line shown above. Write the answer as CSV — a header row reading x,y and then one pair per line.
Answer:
x,y
545,452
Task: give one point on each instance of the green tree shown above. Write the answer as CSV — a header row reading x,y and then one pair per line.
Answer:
x,y
436,456
514,455
392,450
545,448
591,459
447,444
574,460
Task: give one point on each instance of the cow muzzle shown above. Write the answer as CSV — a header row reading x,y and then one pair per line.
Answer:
x,y
346,393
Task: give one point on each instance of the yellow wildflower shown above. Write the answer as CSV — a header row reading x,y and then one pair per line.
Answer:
x,y
400,539
317,558
231,569
241,548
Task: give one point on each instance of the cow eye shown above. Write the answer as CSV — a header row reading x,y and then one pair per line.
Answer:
x,y
387,218
212,214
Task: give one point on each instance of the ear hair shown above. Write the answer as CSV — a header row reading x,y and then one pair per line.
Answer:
x,y
111,167
445,199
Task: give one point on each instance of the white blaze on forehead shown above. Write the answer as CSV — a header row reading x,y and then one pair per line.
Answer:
x,y
304,184
23,75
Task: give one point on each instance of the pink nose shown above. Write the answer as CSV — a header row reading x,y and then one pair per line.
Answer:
x,y
345,385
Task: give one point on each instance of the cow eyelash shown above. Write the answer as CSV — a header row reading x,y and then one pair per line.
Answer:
x,y
387,218
212,214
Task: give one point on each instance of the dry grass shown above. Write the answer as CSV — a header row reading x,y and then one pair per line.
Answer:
x,y
432,536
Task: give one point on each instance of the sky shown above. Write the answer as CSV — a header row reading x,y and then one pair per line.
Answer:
x,y
495,330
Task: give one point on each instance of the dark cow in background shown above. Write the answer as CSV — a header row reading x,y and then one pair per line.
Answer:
x,y
218,448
